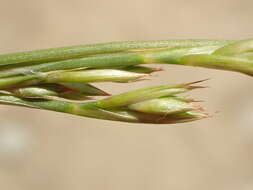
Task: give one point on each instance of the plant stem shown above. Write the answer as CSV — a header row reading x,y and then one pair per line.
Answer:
x,y
171,56
63,53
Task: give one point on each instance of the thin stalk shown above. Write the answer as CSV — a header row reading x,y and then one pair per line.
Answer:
x,y
53,54
169,56
238,64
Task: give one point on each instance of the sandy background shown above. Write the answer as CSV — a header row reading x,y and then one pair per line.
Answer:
x,y
48,151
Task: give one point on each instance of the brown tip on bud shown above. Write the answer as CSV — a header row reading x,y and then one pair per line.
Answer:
x,y
192,100
195,87
195,82
141,78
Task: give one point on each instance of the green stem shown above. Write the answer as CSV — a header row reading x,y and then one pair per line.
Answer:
x,y
213,61
19,81
171,56
55,54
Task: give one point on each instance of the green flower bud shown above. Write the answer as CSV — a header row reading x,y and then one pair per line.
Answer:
x,y
160,106
96,75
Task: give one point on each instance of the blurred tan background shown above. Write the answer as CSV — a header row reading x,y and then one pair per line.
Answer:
x,y
46,150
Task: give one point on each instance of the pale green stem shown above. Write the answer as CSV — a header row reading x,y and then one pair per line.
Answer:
x,y
170,56
54,54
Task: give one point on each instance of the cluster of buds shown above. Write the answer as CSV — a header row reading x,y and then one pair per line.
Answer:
x,y
59,79
149,105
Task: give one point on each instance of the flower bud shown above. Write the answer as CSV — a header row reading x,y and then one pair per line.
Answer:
x,y
166,105
94,75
